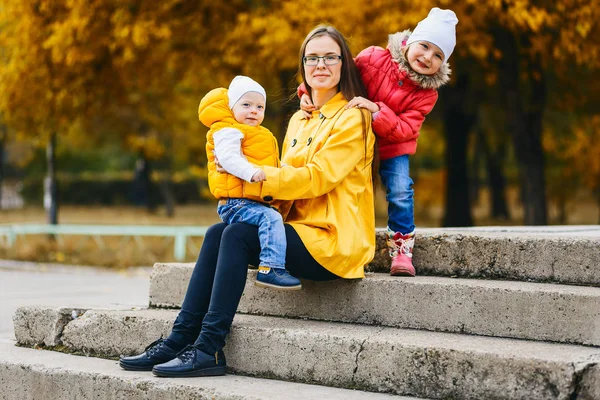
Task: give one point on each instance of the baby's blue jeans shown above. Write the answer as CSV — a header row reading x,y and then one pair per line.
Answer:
x,y
271,232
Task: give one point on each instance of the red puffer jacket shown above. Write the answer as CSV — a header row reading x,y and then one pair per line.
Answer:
x,y
403,96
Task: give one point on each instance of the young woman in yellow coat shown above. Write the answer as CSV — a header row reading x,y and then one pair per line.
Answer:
x,y
327,191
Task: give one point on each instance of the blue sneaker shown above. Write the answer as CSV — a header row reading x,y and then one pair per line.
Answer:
x,y
277,278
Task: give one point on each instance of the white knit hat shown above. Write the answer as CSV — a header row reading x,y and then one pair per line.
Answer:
x,y
240,85
438,28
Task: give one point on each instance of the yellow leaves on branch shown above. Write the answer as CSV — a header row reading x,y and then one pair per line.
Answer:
x,y
131,33
584,150
150,146
579,150
160,55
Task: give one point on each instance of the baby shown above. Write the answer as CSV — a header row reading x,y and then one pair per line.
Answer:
x,y
241,146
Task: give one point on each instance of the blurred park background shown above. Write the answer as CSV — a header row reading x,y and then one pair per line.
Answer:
x,y
98,110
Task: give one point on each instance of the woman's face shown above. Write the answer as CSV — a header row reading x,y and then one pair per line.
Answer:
x,y
323,77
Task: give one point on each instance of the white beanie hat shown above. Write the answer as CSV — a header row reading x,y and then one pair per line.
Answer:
x,y
240,85
438,28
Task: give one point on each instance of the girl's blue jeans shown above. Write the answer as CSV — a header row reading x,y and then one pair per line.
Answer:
x,y
395,177
270,227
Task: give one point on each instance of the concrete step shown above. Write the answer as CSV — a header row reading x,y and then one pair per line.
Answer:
x,y
377,359
561,254
28,374
525,310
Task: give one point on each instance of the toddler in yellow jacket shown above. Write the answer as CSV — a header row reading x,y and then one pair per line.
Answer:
x,y
241,146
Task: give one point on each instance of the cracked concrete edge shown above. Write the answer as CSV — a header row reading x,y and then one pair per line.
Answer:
x,y
27,374
366,364
128,335
359,352
500,309
45,326
40,326
586,379
501,256
317,353
541,259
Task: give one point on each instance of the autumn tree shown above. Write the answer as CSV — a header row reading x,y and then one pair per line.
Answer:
x,y
40,97
115,70
515,43
522,44
3,136
134,71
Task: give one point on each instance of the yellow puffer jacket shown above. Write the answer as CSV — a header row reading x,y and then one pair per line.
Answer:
x,y
328,180
259,145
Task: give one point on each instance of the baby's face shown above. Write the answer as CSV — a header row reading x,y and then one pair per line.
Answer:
x,y
424,57
250,109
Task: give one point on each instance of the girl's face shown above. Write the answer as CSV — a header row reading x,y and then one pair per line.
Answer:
x,y
250,109
323,77
424,57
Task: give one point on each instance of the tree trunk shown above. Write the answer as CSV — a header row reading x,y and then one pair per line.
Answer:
x,y
524,103
142,190
598,202
51,195
475,166
496,180
2,143
562,208
458,121
167,192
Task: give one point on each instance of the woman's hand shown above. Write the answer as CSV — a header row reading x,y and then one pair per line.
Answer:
x,y
259,176
361,102
307,106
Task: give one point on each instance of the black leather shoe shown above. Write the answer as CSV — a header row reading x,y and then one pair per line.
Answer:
x,y
193,362
157,352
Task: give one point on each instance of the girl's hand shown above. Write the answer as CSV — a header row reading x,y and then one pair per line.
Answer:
x,y
361,102
307,106
259,176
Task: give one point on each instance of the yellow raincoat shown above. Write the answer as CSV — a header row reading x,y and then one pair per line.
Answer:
x,y
327,173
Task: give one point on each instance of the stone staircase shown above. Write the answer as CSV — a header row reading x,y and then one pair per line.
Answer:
x,y
496,313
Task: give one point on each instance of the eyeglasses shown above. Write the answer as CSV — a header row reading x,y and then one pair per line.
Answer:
x,y
330,59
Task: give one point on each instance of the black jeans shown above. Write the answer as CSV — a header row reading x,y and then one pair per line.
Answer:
x,y
219,277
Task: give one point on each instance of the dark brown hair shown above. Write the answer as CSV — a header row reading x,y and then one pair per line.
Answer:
x,y
350,83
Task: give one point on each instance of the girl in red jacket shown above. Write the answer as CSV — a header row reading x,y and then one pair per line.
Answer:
x,y
402,82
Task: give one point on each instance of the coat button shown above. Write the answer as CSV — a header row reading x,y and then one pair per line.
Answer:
x,y
294,142
400,83
309,141
268,198
321,116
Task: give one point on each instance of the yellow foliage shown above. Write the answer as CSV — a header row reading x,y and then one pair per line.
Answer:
x,y
131,67
579,151
150,146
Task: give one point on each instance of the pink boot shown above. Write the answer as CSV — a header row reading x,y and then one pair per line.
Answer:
x,y
400,247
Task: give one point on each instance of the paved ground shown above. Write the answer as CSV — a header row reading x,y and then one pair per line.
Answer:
x,y
24,283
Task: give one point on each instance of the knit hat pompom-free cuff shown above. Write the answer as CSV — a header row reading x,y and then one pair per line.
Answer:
x,y
438,28
240,85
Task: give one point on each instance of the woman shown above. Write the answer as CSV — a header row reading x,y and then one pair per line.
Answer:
x,y
329,215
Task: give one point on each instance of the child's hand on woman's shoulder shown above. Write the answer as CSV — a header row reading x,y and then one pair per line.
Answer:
x,y
361,102
307,106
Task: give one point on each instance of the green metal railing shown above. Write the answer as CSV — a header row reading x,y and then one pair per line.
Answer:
x,y
181,234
